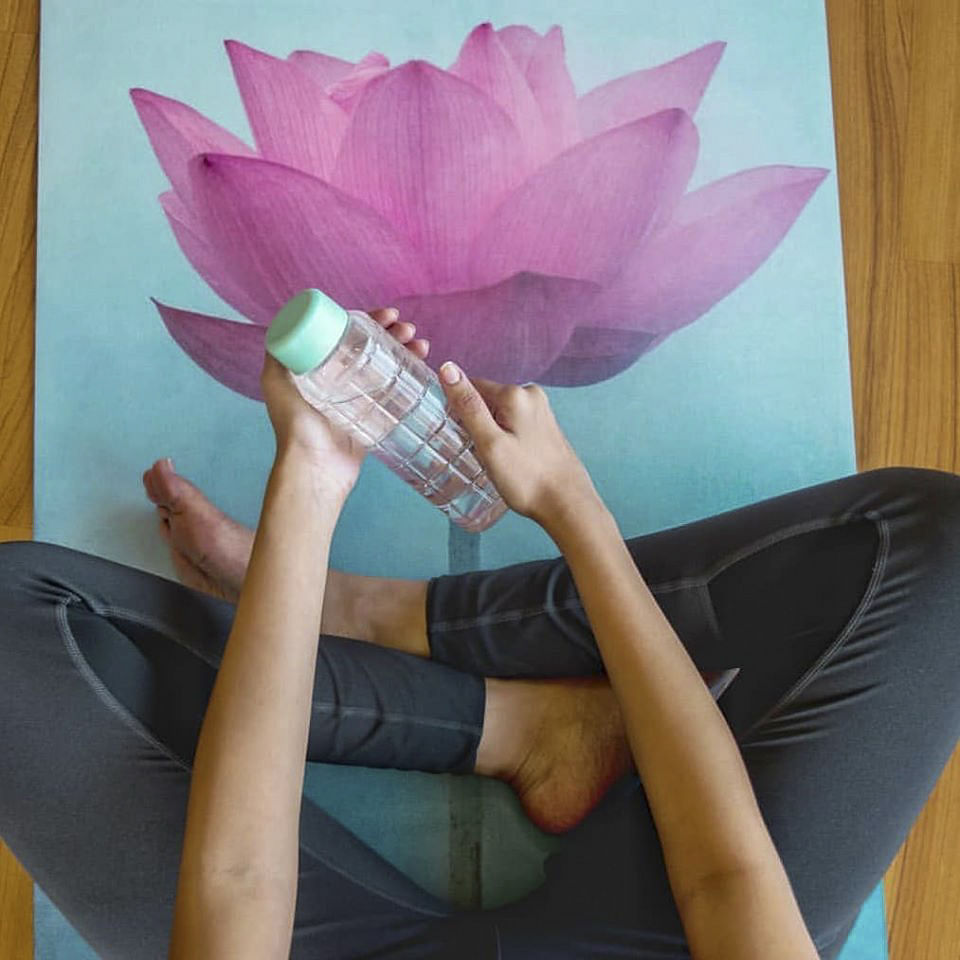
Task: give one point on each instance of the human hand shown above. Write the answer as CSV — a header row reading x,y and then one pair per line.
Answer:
x,y
334,454
520,444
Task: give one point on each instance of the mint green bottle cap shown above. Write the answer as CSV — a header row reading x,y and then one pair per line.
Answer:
x,y
306,329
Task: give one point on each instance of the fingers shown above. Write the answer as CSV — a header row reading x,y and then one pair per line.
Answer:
x,y
469,405
490,390
389,319
403,332
385,316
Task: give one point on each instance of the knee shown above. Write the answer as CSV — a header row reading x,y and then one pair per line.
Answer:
x,y
20,563
936,492
926,502
17,554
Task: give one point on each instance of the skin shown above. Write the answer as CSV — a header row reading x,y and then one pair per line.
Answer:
x,y
237,884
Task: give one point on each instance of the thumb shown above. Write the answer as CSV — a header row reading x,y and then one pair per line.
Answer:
x,y
468,405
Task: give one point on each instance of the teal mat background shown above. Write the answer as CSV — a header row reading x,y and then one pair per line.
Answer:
x,y
748,402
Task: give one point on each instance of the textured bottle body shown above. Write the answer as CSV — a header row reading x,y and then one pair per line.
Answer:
x,y
392,402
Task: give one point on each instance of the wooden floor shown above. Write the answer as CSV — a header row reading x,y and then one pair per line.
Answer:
x,y
896,83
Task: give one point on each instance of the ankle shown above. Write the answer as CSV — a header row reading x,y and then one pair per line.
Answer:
x,y
340,609
510,721
394,612
383,611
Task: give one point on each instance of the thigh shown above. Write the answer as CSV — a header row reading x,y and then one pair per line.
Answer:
x,y
93,797
526,619
843,747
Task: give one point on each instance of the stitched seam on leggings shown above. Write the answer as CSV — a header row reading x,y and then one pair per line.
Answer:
x,y
100,689
398,718
706,602
112,704
664,587
356,881
507,615
321,707
880,566
822,944
154,624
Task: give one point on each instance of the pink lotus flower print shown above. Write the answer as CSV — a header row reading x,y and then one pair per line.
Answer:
x,y
531,233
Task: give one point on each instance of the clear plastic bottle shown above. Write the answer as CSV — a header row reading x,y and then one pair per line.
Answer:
x,y
352,370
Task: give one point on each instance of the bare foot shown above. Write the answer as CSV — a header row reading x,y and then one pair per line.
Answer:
x,y
210,551
576,750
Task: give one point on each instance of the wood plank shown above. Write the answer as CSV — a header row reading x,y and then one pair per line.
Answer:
x,y
18,184
928,433
903,325
20,16
16,909
869,43
923,885
14,533
18,140
931,175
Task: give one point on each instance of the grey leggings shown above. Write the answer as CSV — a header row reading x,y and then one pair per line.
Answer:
x,y
839,603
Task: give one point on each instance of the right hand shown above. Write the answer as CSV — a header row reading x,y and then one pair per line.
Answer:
x,y
518,441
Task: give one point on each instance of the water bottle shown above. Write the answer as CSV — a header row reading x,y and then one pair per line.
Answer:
x,y
354,372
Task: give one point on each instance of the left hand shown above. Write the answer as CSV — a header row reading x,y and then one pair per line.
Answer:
x,y
334,455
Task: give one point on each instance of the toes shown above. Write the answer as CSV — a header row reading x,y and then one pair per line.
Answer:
x,y
163,478
163,525
149,485
156,481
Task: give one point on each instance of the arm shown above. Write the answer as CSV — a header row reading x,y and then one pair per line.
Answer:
x,y
728,881
238,874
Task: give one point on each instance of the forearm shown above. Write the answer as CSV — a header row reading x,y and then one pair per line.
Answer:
x,y
700,795
241,840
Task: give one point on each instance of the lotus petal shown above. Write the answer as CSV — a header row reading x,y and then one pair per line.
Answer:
x,y
207,262
679,83
550,81
719,236
432,154
230,352
293,120
520,42
278,231
507,332
485,62
178,132
584,212
347,90
326,70
594,354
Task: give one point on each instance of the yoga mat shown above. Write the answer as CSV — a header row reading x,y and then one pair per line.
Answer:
x,y
747,397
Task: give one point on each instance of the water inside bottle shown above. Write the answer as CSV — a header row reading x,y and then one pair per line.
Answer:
x,y
391,401
437,458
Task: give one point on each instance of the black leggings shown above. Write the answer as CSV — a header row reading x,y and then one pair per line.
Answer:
x,y
839,603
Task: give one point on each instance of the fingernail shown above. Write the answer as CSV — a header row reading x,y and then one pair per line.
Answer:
x,y
169,463
394,313
450,372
